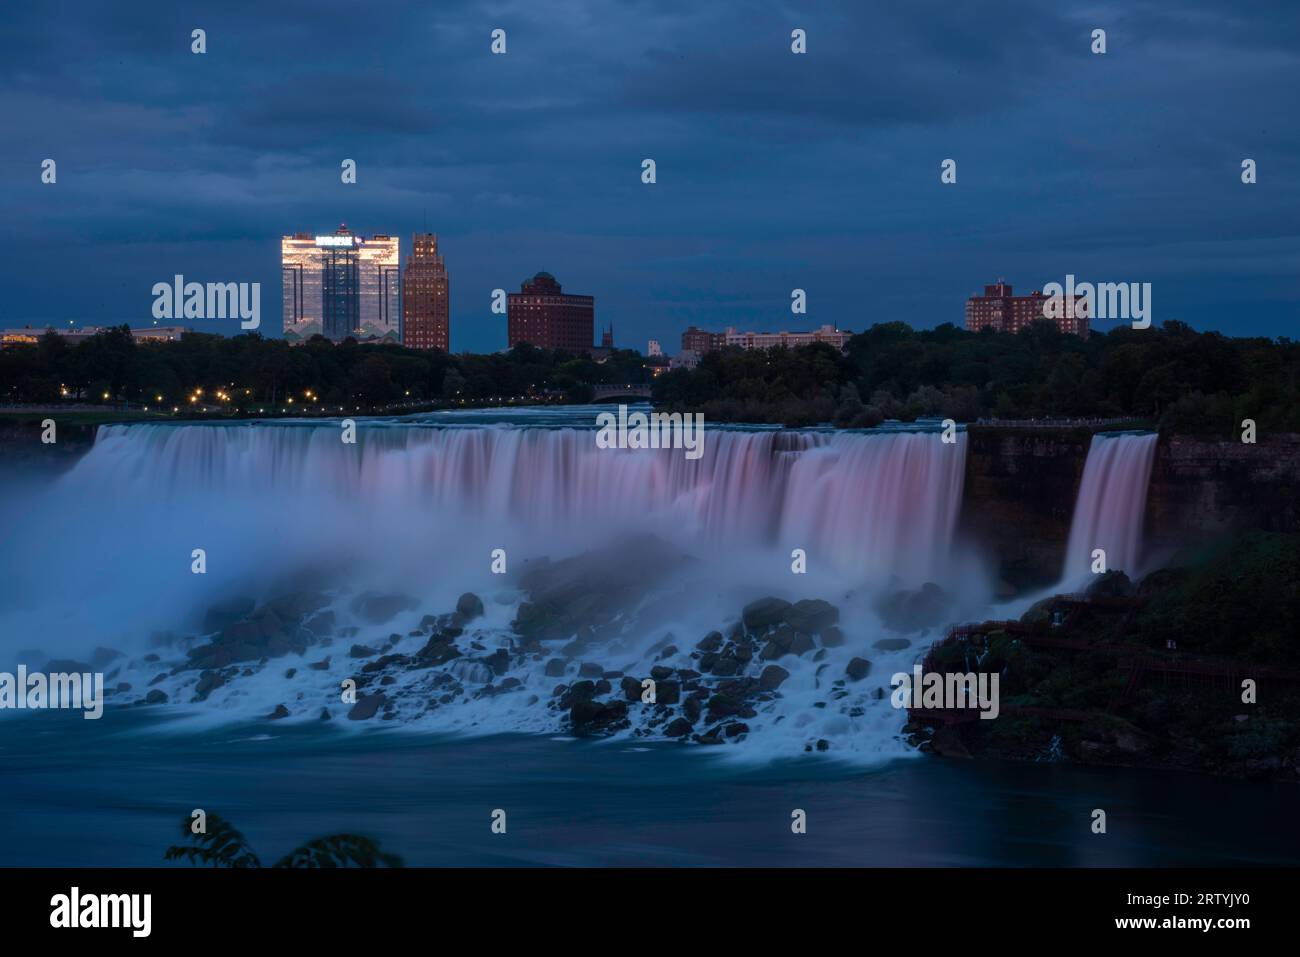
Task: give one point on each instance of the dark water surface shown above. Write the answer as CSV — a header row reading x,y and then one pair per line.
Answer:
x,y
113,792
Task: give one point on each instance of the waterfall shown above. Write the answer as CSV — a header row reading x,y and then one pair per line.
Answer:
x,y
1109,510
868,504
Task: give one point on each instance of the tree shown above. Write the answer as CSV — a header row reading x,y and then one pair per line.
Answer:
x,y
222,845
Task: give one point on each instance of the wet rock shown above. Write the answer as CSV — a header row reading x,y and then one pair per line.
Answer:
x,y
678,727
668,652
379,664
858,669
362,651
290,672
578,691
735,729
377,608
772,677
209,681
892,644
726,666
280,712
322,665
595,717
760,615
691,708
710,642
811,615
157,696
832,637
161,676
438,651
321,625
948,742
589,669
923,608
631,688
712,736
325,714
469,606
227,613
668,692
555,668
823,744
367,706
1112,584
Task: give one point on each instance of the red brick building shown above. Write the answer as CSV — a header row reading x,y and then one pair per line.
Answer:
x,y
543,315
426,297
701,341
999,309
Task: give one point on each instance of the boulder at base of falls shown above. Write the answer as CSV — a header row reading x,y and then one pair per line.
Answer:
x,y
772,678
366,707
598,717
858,669
378,608
469,606
760,615
811,615
926,607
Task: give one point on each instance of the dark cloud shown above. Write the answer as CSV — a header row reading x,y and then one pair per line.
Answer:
x,y
775,170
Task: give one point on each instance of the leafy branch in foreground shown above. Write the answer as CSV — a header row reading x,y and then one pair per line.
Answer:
x,y
221,844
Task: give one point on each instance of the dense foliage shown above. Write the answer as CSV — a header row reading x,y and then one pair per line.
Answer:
x,y
254,371
1189,381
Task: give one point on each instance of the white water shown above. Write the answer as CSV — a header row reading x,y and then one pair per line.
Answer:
x,y
1109,510
103,555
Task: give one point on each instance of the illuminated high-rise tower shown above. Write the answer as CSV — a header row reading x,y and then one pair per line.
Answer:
x,y
426,296
340,285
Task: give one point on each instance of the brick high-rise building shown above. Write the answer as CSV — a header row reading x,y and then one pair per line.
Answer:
x,y
999,309
426,297
701,341
543,315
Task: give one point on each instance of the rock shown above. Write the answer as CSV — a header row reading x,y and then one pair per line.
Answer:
x,y
322,665
772,677
379,664
691,709
760,615
735,729
917,610
578,691
1112,584
595,717
367,706
321,625
858,669
280,712
823,744
810,616
589,669
438,650
157,696
678,727
103,656
469,606
668,692
832,637
892,644
362,651
289,673
378,608
726,666
801,643
660,672
325,714
227,613
208,682
947,742
555,668
631,688
710,642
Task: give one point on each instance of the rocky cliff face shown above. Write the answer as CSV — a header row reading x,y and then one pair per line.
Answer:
x,y
1019,499
1021,486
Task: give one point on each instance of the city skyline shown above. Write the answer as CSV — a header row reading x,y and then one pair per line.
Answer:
x,y
774,171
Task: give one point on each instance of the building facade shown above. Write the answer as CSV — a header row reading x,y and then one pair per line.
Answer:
x,y
789,340
426,297
542,314
700,341
998,309
341,285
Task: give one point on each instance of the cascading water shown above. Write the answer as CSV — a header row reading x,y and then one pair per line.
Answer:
x,y
1109,510
419,509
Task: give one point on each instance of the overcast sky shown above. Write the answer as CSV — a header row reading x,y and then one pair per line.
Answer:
x,y
775,171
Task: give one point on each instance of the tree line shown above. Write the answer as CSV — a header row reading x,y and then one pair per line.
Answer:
x,y
1187,381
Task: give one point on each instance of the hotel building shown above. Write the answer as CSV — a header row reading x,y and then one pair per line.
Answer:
x,y
543,315
341,285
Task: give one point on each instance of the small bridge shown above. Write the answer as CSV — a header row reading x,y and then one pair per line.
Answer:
x,y
604,393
